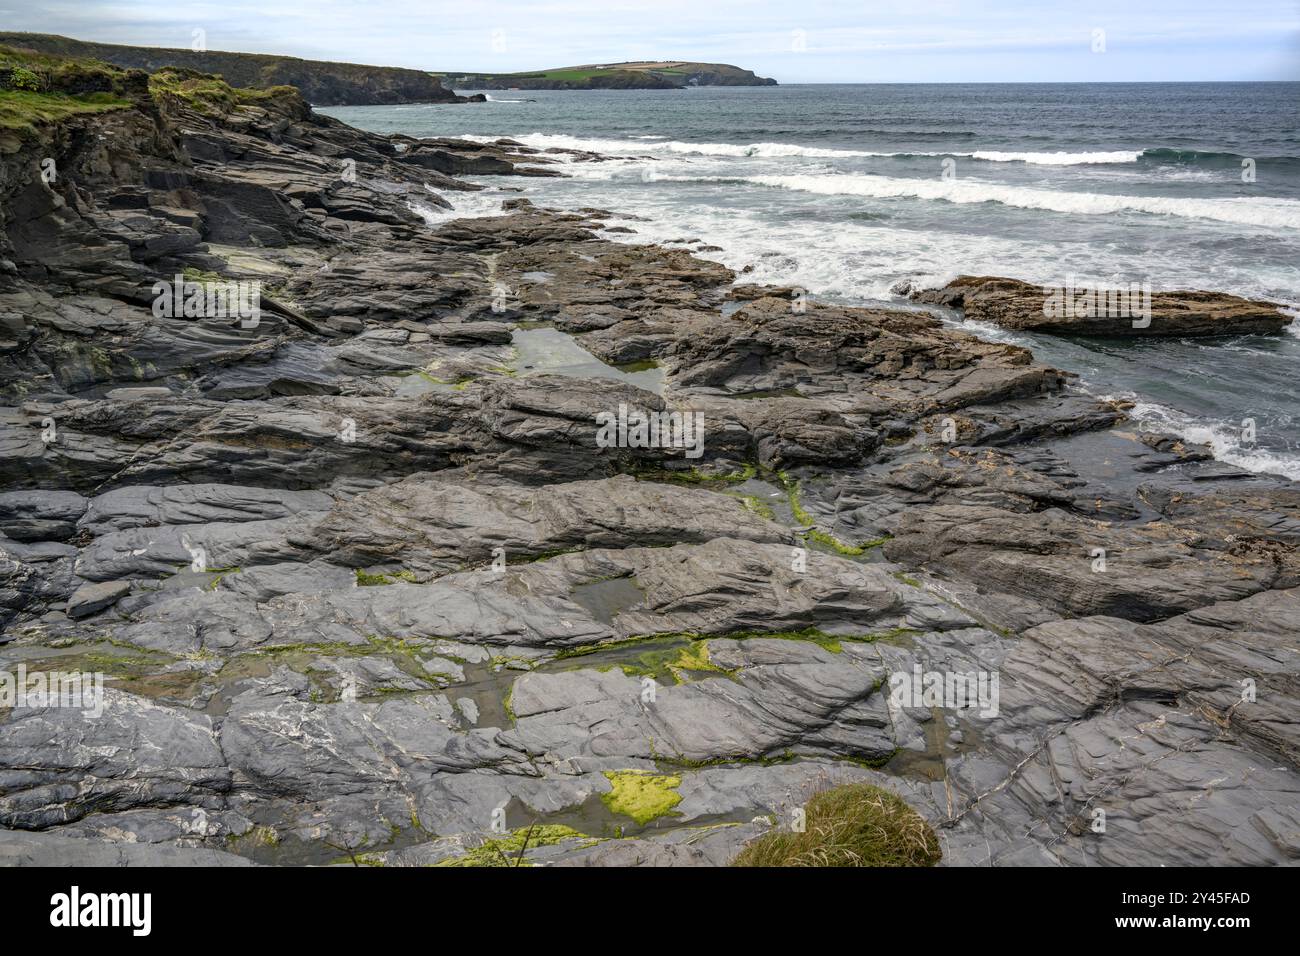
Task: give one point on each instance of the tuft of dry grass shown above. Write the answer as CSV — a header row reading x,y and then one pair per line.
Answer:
x,y
853,825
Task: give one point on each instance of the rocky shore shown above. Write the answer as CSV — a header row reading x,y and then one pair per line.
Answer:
x,y
367,588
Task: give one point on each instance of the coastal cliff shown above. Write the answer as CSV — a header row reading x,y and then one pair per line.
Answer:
x,y
320,82
367,585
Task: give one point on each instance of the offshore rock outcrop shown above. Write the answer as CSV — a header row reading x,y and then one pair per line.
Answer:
x,y
364,583
1099,309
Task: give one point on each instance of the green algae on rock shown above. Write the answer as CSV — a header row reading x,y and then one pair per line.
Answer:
x,y
641,795
512,849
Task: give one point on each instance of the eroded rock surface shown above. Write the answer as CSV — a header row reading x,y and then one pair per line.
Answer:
x,y
363,583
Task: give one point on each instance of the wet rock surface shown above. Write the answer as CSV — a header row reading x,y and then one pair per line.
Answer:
x,y
364,585
1105,311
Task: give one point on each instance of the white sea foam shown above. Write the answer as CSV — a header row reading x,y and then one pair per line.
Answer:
x,y
1272,213
430,214
863,258
1293,310
1055,159
851,262
766,150
464,205
643,144
1224,439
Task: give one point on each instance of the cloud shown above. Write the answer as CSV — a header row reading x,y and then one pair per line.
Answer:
x,y
845,42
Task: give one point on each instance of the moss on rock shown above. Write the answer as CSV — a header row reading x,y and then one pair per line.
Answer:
x,y
641,795
510,849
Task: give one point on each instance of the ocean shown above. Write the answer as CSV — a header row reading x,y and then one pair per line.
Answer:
x,y
844,190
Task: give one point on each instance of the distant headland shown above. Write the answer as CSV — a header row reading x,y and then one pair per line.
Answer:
x,y
635,75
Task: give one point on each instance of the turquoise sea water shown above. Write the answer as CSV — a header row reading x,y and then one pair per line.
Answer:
x,y
846,189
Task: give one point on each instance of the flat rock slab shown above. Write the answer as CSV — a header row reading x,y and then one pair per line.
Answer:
x,y
1014,304
91,598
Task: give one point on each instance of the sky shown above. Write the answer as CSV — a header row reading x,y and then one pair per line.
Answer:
x,y
810,41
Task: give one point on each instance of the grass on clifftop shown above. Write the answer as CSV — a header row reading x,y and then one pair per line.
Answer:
x,y
45,72
24,111
576,76
207,93
38,89
571,75
854,825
